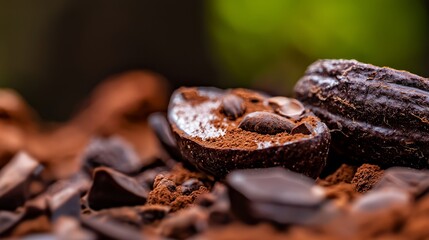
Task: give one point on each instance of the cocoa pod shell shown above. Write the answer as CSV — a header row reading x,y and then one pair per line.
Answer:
x,y
375,114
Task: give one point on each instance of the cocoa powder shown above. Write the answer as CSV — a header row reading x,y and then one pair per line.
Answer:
x,y
235,137
169,189
366,177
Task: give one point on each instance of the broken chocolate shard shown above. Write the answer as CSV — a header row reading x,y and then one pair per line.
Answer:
x,y
109,229
303,128
274,195
261,138
8,220
114,189
64,200
152,213
414,181
232,106
15,178
377,200
265,123
113,152
191,185
158,122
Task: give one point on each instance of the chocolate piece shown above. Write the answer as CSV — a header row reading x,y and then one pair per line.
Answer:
x,y
108,229
375,114
191,185
126,215
275,195
112,152
8,220
15,178
303,128
265,123
70,228
158,122
147,178
218,145
232,106
413,181
184,224
113,189
381,200
64,200
152,213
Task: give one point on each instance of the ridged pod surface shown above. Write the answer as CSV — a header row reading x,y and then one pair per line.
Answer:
x,y
375,114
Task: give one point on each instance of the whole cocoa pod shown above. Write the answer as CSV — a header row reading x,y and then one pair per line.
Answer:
x,y
375,114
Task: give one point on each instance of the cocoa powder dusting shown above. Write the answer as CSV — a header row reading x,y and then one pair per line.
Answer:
x,y
235,137
344,174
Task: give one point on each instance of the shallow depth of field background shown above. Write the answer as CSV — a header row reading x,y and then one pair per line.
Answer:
x,y
54,52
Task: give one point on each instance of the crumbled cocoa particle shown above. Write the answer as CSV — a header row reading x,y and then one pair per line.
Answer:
x,y
344,173
366,177
178,188
343,193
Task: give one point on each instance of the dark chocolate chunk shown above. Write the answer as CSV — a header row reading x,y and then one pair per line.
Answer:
x,y
217,145
15,178
152,213
112,152
413,181
126,215
303,128
8,220
275,195
191,185
232,106
64,200
381,200
147,178
376,114
114,189
158,122
184,224
70,228
109,229
265,123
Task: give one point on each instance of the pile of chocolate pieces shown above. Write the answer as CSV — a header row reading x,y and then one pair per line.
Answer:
x,y
344,159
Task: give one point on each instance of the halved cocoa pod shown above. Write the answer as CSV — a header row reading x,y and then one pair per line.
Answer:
x,y
375,114
258,137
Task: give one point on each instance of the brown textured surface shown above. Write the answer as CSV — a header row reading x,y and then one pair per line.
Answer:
x,y
238,148
168,189
366,177
375,114
184,203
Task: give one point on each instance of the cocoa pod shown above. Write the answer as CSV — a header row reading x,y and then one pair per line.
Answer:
x,y
375,114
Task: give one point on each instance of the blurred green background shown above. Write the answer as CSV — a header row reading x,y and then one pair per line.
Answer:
x,y
54,52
